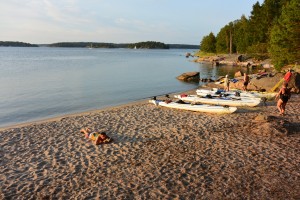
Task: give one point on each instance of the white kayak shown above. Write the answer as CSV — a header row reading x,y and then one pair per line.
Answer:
x,y
199,108
216,92
252,94
223,101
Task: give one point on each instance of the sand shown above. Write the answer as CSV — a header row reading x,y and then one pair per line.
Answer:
x,y
157,153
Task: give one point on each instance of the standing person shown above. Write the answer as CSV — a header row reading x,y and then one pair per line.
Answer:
x,y
226,83
283,96
246,81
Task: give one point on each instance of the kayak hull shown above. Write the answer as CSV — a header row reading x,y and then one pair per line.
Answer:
x,y
223,101
197,108
252,94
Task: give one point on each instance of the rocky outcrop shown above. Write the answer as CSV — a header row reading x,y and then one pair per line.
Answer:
x,y
267,82
234,60
264,82
188,55
189,77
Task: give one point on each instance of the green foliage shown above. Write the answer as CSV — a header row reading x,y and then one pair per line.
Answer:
x,y
148,45
241,35
271,30
223,38
285,36
183,46
203,54
260,48
222,41
258,56
262,19
208,43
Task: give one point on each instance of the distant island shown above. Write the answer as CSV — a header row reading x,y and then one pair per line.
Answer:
x,y
139,45
16,44
148,45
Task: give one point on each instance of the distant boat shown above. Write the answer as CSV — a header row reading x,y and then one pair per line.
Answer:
x,y
134,47
91,46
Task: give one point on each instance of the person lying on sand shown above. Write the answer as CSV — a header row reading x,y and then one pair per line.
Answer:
x,y
96,137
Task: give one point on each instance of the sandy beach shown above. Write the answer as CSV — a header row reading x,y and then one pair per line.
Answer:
x,y
157,153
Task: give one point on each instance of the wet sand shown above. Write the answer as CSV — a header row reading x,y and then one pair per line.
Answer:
x,y
157,153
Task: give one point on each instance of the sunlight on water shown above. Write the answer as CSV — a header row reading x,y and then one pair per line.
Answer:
x,y
42,82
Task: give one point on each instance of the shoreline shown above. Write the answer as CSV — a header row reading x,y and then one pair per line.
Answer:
x,y
38,121
51,119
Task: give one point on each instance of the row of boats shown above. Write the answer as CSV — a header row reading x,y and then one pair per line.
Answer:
x,y
216,100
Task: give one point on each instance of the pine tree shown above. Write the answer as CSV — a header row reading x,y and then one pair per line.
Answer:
x,y
225,38
208,43
241,36
285,36
256,28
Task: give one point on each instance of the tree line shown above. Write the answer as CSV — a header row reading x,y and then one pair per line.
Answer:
x,y
272,30
83,45
140,45
148,45
16,44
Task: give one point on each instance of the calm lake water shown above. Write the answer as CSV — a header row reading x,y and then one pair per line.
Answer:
x,y
40,83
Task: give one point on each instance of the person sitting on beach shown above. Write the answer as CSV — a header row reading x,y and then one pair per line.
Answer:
x,y
283,96
226,83
246,81
96,137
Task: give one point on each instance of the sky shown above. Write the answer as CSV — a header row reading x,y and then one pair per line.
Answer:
x,y
117,21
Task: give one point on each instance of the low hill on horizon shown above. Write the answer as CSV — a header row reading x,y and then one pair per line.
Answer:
x,y
98,45
121,45
16,44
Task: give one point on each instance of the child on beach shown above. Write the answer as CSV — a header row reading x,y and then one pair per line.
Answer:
x,y
226,83
96,137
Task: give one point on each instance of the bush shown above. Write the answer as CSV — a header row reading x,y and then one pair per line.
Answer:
x,y
260,48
